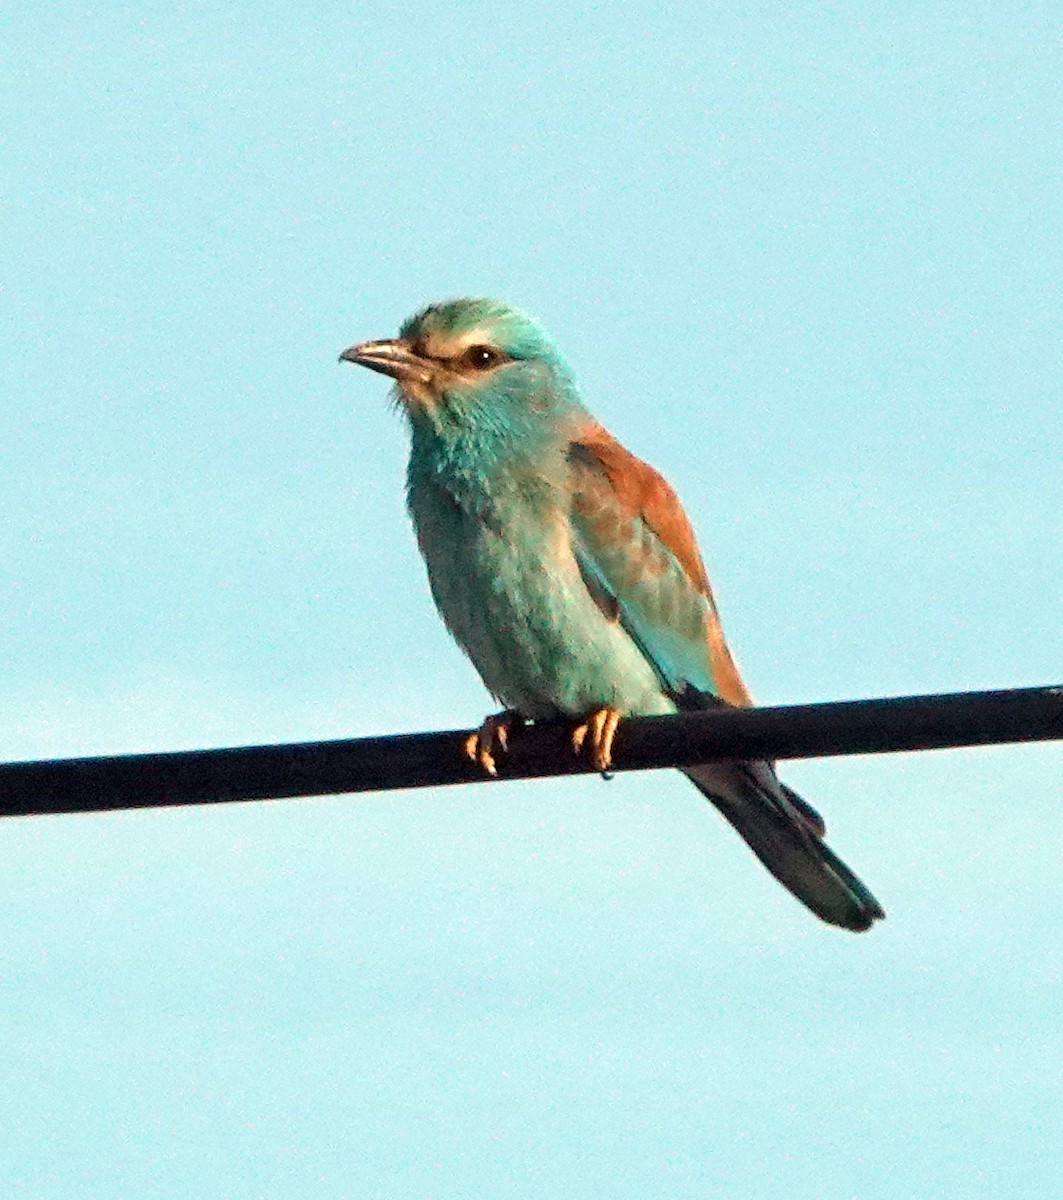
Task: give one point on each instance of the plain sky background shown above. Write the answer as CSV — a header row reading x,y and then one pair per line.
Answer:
x,y
806,259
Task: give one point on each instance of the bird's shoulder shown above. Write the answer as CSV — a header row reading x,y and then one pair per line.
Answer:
x,y
613,493
611,482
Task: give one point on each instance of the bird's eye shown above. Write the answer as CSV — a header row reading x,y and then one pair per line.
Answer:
x,y
481,358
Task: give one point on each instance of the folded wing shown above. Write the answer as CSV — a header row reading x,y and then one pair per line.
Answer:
x,y
637,553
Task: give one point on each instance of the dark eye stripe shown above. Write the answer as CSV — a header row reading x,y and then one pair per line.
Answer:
x,y
479,357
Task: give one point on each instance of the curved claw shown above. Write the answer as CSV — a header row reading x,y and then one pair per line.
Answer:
x,y
601,726
490,739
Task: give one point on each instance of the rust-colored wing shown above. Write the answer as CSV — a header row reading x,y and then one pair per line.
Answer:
x,y
637,552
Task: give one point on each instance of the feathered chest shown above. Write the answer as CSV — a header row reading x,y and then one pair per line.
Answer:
x,y
505,580
493,537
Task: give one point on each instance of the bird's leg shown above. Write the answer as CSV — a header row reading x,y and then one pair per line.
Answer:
x,y
601,726
492,737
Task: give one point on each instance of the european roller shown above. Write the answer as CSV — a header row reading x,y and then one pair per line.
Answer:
x,y
568,572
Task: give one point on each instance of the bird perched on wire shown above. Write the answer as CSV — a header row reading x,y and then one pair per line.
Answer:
x,y
567,570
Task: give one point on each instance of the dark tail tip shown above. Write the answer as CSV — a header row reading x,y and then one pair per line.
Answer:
x,y
783,833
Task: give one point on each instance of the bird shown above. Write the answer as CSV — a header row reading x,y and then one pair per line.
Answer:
x,y
567,570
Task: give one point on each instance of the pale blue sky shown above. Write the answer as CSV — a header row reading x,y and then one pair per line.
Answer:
x,y
808,263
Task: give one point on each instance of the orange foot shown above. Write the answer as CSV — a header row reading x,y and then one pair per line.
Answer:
x,y
492,737
601,726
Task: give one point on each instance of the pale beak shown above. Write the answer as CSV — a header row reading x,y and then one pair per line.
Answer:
x,y
392,358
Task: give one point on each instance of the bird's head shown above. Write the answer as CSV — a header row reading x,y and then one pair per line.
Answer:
x,y
473,364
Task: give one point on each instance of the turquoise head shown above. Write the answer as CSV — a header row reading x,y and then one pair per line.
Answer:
x,y
474,367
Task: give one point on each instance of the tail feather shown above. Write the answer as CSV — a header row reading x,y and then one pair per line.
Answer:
x,y
786,833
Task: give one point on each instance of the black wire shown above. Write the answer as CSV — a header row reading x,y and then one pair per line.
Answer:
x,y
433,759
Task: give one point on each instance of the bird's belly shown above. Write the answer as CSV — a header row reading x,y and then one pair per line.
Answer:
x,y
515,600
